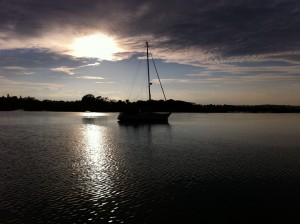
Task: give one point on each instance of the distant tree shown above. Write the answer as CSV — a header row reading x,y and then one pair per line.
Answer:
x,y
104,104
88,98
88,102
103,99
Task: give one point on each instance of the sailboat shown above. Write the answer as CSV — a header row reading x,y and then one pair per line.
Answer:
x,y
131,116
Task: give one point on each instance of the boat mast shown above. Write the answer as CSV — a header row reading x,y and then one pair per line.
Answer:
x,y
149,84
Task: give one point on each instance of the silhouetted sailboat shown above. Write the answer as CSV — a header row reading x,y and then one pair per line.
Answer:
x,y
145,116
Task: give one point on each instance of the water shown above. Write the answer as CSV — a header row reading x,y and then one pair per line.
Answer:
x,y
87,168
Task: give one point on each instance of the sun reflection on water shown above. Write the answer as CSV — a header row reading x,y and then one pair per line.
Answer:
x,y
89,114
97,168
94,141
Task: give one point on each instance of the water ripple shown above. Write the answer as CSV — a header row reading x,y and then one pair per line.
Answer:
x,y
74,170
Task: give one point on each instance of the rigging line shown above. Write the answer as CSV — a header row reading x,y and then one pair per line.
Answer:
x,y
140,92
134,79
158,77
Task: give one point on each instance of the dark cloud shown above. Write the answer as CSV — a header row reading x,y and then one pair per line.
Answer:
x,y
36,58
225,28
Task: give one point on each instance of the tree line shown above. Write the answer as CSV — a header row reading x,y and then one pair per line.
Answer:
x,y
103,104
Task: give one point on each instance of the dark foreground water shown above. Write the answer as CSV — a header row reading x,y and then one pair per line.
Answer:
x,y
200,168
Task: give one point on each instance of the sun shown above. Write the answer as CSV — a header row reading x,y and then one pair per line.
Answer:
x,y
94,46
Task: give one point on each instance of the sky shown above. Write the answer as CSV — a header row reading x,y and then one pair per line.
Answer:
x,y
207,52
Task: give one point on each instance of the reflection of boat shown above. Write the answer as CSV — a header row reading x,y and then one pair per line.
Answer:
x,y
155,117
145,116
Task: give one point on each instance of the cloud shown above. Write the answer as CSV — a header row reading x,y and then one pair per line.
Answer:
x,y
18,70
251,69
64,69
37,58
90,65
105,82
215,31
17,84
90,77
14,68
233,79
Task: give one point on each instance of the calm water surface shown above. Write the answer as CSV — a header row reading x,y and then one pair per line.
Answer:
x,y
200,168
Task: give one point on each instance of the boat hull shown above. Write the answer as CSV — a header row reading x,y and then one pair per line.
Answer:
x,y
146,117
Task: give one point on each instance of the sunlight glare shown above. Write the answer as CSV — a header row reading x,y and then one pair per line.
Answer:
x,y
94,46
